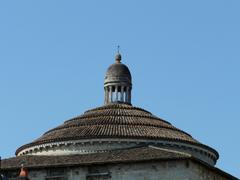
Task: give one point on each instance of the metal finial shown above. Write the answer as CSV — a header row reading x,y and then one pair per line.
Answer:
x,y
118,48
118,56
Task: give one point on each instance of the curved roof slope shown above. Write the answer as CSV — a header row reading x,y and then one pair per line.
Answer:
x,y
118,69
114,121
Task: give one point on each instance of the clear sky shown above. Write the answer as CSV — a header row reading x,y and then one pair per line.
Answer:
x,y
184,57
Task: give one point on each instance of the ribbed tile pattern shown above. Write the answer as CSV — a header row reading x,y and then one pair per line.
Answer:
x,y
114,121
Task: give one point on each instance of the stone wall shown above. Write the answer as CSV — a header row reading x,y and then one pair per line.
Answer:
x,y
164,170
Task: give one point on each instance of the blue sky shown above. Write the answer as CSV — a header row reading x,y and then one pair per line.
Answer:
x,y
183,56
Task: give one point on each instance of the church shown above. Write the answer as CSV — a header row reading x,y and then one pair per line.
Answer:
x,y
116,141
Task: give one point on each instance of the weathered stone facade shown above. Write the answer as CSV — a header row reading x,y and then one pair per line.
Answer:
x,y
167,170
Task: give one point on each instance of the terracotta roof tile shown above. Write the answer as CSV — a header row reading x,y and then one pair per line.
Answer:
x,y
124,155
114,121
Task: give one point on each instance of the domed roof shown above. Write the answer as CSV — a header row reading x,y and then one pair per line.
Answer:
x,y
116,125
114,121
118,72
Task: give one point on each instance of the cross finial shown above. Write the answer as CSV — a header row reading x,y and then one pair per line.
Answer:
x,y
118,48
118,56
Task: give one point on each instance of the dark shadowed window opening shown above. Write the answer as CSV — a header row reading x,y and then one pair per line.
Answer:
x,y
98,173
56,174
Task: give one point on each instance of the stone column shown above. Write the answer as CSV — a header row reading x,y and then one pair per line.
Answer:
x,y
127,94
105,95
122,93
116,90
111,98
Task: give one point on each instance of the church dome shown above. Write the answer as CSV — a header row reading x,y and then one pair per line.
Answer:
x,y
114,121
116,125
118,72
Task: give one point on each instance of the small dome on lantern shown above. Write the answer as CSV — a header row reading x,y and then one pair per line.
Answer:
x,y
118,83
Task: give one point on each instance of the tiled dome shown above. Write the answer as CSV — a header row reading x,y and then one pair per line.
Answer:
x,y
114,121
116,125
